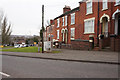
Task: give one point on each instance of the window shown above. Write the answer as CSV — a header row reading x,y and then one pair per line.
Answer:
x,y
65,20
89,25
58,22
89,7
72,18
57,34
117,2
72,33
105,4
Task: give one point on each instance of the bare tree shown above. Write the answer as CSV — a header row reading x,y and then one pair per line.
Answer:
x,y
47,23
1,17
5,30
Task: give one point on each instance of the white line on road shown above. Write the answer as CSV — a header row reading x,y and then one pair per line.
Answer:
x,y
4,74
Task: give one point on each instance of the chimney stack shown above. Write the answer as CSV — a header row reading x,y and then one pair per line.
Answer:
x,y
51,21
66,8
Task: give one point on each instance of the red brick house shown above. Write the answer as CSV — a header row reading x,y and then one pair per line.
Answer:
x,y
99,19
65,25
49,31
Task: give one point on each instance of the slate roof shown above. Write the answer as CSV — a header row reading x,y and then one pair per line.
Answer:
x,y
68,12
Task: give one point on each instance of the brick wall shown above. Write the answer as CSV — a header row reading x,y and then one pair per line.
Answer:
x,y
106,42
66,46
77,45
117,44
80,44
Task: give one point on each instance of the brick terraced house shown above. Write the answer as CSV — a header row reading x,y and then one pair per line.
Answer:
x,y
94,24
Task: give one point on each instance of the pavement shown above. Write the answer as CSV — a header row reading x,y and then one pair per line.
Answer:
x,y
105,57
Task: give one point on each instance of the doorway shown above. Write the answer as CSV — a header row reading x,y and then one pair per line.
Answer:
x,y
118,24
105,27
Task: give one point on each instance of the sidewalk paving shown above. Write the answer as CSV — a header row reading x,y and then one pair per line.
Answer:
x,y
73,55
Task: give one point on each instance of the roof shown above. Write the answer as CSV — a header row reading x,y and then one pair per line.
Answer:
x,y
82,1
68,12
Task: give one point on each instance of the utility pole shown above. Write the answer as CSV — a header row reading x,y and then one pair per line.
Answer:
x,y
98,22
42,28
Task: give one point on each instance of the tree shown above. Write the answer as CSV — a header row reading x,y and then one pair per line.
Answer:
x,y
27,41
32,40
41,31
5,30
36,39
1,17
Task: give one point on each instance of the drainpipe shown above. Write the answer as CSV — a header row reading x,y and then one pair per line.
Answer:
x,y
67,28
98,25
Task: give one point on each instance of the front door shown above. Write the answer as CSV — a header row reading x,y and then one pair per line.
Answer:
x,y
63,37
119,25
106,38
105,27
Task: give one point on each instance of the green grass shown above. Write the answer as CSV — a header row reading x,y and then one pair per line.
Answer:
x,y
56,51
26,49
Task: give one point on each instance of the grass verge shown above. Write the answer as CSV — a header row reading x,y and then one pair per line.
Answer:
x,y
26,49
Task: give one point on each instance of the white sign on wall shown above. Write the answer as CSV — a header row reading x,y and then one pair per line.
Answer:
x,y
47,45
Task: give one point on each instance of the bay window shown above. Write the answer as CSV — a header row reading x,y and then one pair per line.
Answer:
x,y
57,34
72,33
89,25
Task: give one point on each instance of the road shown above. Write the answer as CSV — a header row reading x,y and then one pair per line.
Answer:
x,y
19,67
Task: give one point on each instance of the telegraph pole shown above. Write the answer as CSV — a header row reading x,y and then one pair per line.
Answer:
x,y
98,24
42,28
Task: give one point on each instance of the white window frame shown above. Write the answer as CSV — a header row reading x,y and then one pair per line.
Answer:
x,y
90,7
87,26
58,23
65,20
72,38
58,34
72,18
105,4
117,2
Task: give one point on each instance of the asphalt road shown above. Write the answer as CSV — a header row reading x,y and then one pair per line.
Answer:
x,y
19,67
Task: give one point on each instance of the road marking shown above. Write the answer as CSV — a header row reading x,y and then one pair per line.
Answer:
x,y
4,74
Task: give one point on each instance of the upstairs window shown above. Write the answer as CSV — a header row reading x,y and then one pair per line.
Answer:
x,y
65,20
105,4
58,22
57,34
72,18
89,6
117,2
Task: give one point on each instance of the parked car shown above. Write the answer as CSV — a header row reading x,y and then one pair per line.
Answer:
x,y
24,45
17,46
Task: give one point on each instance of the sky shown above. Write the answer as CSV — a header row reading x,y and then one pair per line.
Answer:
x,y
26,15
